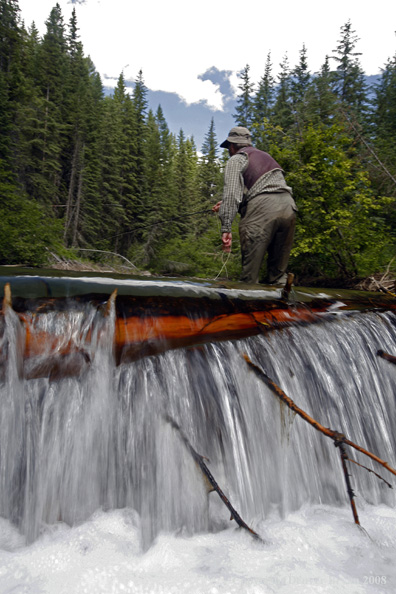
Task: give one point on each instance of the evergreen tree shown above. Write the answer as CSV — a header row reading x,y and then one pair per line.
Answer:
x,y
321,102
139,100
10,35
91,222
383,162
114,217
349,83
158,171
264,99
283,110
385,107
45,177
209,168
10,65
300,83
244,108
75,133
185,184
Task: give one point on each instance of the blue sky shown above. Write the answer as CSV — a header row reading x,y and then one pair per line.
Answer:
x,y
191,53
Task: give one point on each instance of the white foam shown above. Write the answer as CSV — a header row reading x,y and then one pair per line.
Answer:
x,y
317,549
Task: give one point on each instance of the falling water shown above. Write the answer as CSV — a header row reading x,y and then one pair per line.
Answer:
x,y
103,441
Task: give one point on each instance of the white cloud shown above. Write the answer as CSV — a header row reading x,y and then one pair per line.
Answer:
x,y
175,41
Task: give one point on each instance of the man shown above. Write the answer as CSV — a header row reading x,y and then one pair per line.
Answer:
x,y
255,186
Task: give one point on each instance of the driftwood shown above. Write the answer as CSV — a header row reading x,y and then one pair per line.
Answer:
x,y
339,438
208,477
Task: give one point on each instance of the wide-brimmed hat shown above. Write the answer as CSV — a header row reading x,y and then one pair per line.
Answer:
x,y
238,135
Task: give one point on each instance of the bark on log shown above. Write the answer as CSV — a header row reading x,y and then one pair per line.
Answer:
x,y
150,324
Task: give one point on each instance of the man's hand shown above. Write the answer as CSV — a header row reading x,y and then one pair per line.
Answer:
x,y
226,240
216,207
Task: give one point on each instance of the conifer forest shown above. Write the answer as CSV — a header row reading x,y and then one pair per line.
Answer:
x,y
83,173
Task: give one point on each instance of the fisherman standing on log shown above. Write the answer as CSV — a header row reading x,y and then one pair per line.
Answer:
x,y
254,186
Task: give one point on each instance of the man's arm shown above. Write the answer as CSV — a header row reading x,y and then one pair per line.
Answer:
x,y
233,190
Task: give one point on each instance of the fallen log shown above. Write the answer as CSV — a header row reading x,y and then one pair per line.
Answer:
x,y
153,318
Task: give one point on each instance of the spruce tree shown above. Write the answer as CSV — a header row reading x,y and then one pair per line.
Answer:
x,y
11,42
349,83
300,83
244,108
264,100
139,100
209,172
46,178
158,171
283,110
91,222
383,168
75,133
321,101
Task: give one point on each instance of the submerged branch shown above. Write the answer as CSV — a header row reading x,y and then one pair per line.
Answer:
x,y
347,476
369,470
209,477
386,356
335,435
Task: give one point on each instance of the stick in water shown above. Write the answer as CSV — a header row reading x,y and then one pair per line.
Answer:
x,y
209,477
335,435
339,439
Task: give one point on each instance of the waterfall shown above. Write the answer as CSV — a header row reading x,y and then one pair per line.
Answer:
x,y
103,439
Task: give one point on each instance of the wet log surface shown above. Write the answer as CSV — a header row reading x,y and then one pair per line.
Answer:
x,y
150,317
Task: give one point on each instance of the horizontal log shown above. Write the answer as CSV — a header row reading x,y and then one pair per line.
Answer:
x,y
148,324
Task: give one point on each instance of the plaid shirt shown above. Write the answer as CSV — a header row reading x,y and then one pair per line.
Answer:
x,y
234,188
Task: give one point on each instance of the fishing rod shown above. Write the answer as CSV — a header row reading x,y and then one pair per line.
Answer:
x,y
163,221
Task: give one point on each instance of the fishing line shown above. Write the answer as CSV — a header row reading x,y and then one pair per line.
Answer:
x,y
222,255
223,266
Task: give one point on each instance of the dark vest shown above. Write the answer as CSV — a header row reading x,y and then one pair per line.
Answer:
x,y
259,164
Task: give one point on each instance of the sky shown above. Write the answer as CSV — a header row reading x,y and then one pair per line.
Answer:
x,y
196,49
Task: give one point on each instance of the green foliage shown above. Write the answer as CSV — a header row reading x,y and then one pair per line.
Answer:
x,y
341,230
106,173
244,108
202,256
26,230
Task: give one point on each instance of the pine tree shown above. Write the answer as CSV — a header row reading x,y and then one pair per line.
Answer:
x,y
384,134
10,80
300,83
209,173
75,133
321,101
349,84
283,111
46,175
158,171
91,221
10,35
139,100
114,217
184,183
385,104
264,99
244,108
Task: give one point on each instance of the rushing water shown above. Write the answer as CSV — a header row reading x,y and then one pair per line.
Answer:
x,y
91,471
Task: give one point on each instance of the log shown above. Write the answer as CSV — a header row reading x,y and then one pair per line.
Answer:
x,y
153,318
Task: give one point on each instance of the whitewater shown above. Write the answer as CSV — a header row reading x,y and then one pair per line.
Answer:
x,y
99,494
